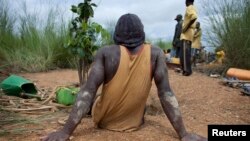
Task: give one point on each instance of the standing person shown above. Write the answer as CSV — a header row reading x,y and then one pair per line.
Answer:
x,y
187,36
177,35
126,70
196,45
168,55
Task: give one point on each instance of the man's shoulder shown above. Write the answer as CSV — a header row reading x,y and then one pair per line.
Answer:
x,y
155,50
106,50
113,49
179,23
191,8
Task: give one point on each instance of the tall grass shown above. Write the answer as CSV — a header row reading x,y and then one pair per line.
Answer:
x,y
229,22
164,45
6,30
31,44
110,27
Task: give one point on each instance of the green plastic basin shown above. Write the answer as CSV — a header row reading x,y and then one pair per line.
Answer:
x,y
66,96
15,85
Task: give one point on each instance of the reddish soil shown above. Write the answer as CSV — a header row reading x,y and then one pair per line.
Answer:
x,y
203,101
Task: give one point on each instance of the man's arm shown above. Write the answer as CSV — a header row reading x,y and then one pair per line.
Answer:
x,y
84,100
179,30
197,33
188,25
169,102
175,36
167,97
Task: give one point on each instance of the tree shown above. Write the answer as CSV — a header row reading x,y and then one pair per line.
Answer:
x,y
84,34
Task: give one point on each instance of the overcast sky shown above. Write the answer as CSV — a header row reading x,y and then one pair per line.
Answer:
x,y
156,15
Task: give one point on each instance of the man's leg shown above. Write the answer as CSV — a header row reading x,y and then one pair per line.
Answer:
x,y
188,62
186,58
182,56
193,56
177,55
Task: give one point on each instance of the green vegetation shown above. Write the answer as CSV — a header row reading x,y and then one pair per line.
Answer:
x,y
14,123
110,27
229,22
163,44
84,35
30,44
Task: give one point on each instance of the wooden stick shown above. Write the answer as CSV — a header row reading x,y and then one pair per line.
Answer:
x,y
34,112
29,103
12,103
5,103
5,100
58,105
32,109
51,95
31,95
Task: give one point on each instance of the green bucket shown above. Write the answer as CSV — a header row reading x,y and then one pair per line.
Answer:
x,y
66,95
18,86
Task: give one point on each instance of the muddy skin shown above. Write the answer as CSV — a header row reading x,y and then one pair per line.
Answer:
x,y
129,32
103,70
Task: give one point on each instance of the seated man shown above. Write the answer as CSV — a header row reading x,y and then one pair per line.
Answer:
x,y
126,71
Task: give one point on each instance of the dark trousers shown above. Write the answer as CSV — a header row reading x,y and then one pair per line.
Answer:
x,y
185,57
177,55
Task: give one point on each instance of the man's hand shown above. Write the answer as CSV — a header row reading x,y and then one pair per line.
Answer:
x,y
56,136
193,137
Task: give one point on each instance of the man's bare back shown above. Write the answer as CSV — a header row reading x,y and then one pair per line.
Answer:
x,y
111,56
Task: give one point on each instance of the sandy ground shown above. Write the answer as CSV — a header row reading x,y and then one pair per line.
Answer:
x,y
202,100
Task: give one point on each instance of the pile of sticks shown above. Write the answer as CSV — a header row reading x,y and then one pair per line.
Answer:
x,y
41,104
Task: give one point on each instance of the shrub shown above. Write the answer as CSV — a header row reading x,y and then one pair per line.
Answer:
x,y
229,30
